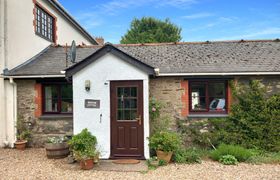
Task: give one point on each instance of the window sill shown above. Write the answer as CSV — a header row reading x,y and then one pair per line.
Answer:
x,y
207,115
56,117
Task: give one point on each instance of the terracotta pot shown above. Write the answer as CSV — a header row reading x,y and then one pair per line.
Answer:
x,y
21,144
166,156
56,151
86,164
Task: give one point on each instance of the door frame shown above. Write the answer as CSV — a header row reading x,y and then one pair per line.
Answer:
x,y
126,83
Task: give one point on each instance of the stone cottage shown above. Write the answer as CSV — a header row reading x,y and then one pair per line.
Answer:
x,y
107,90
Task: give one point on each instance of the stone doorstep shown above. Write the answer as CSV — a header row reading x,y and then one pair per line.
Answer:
x,y
108,165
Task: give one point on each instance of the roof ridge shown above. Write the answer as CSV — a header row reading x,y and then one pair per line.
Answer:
x,y
177,43
200,42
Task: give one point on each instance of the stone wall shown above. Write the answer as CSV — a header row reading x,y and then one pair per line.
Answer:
x,y
168,91
173,93
43,126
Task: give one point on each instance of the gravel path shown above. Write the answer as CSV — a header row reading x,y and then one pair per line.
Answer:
x,y
32,164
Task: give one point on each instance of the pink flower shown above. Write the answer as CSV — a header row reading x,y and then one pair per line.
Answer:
x,y
154,109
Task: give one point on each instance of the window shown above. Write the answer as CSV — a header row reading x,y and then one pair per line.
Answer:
x,y
44,24
208,96
127,103
57,98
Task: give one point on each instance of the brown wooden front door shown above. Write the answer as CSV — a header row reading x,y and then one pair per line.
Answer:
x,y
127,132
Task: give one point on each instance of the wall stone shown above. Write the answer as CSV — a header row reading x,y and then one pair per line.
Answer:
x,y
168,91
43,126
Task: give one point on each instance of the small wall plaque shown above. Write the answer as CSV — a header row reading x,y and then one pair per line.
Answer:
x,y
91,103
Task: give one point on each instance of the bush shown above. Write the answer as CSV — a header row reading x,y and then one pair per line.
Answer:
x,y
254,121
83,145
240,153
187,156
266,158
228,160
165,141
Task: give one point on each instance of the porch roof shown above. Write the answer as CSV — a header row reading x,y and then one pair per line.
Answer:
x,y
171,58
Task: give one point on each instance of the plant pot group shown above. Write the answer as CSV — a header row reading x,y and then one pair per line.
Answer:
x,y
20,144
166,156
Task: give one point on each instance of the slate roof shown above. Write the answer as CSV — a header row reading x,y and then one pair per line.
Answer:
x,y
207,57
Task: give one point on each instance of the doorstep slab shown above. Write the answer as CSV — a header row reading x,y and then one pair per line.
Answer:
x,y
108,165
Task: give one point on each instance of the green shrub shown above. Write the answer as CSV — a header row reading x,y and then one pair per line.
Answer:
x,y
83,145
254,121
228,160
266,158
165,141
240,153
187,156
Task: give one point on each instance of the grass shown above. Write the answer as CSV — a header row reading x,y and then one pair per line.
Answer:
x,y
265,158
240,153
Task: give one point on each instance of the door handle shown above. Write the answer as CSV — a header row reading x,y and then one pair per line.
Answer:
x,y
139,119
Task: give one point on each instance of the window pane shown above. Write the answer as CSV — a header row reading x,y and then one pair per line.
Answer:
x,y
198,93
217,104
51,92
51,105
66,105
217,96
127,103
133,91
44,23
216,89
66,91
198,103
51,99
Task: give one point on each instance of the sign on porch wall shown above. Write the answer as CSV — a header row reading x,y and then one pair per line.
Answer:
x,y
91,103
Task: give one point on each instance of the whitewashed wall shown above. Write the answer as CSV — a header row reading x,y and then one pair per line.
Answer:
x,y
100,73
18,43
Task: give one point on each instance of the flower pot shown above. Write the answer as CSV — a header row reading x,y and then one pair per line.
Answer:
x,y
21,144
166,156
86,164
57,150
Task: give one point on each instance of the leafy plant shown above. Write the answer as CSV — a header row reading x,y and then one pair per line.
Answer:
x,y
240,153
56,140
228,160
190,155
165,141
83,145
162,162
23,133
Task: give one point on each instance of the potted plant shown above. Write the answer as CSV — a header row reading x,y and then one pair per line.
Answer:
x,y
83,146
164,143
57,147
23,135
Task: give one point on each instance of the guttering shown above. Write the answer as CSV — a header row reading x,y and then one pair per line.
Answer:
x,y
33,76
219,74
14,85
